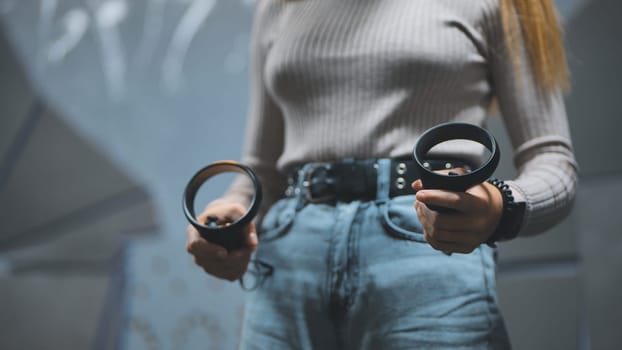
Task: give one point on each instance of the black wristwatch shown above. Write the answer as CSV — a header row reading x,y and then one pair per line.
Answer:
x,y
511,217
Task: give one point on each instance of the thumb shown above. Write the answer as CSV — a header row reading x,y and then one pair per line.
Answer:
x,y
250,236
417,185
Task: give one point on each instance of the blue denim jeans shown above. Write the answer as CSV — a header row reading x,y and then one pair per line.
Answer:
x,y
360,275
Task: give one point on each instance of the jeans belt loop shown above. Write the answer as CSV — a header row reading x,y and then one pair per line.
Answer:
x,y
383,180
299,185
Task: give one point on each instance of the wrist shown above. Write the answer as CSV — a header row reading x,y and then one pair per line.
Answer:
x,y
496,205
511,213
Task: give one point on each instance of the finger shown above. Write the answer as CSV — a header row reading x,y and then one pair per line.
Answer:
x,y
417,185
226,212
450,224
423,213
426,216
192,236
230,273
198,246
235,262
240,255
453,222
460,201
474,200
430,220
234,267
454,248
251,238
443,198
456,237
449,247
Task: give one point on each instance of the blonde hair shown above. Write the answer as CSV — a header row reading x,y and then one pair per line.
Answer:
x,y
534,24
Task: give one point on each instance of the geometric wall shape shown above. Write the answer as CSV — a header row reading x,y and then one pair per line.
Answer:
x,y
13,88
57,180
65,213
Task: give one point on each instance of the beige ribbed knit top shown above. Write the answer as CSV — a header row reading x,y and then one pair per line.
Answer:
x,y
334,79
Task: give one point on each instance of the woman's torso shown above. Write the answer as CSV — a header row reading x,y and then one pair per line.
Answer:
x,y
364,78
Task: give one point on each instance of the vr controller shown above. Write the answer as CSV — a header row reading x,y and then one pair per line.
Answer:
x,y
228,235
453,181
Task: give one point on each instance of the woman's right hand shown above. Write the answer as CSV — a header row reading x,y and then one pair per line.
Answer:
x,y
215,259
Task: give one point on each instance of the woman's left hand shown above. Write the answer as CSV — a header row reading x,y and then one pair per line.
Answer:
x,y
474,218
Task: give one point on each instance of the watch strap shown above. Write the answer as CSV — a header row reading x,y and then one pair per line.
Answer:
x,y
511,217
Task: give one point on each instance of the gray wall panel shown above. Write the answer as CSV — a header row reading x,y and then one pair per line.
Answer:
x,y
15,94
600,226
558,243
50,311
541,311
595,53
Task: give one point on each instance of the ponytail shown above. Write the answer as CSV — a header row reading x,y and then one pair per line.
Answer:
x,y
535,25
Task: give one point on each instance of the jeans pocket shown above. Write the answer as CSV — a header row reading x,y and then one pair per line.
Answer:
x,y
400,218
278,218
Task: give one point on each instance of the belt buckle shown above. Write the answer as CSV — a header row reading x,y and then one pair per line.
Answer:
x,y
306,184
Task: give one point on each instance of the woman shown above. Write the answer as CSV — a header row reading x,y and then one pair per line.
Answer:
x,y
351,84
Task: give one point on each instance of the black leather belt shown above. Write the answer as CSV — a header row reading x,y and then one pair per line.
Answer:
x,y
350,180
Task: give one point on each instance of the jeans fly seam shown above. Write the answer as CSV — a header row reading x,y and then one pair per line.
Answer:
x,y
330,278
338,278
352,263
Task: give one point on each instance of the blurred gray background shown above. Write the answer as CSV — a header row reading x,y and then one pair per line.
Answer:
x,y
107,107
